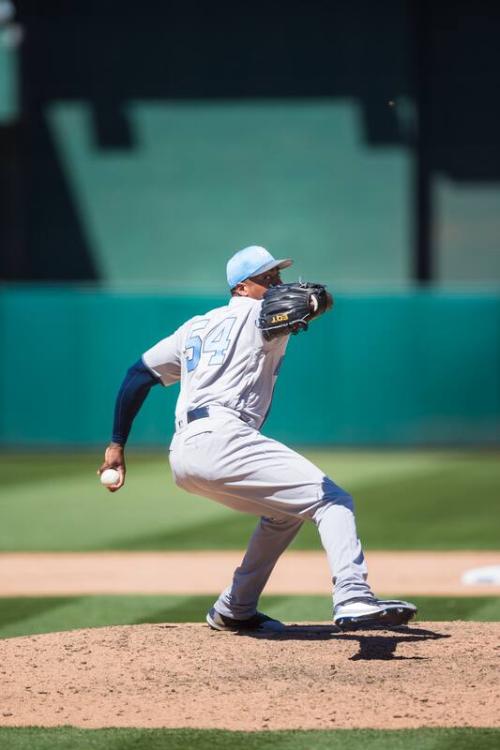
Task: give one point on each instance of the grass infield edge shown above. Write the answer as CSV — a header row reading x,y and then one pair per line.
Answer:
x,y
66,737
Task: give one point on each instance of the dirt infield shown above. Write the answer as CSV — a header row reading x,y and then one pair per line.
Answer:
x,y
430,674
207,572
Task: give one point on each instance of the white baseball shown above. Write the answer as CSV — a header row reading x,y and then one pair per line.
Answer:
x,y
110,476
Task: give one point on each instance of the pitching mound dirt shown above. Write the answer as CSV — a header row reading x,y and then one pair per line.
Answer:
x,y
429,674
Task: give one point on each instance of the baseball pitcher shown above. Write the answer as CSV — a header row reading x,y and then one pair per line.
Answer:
x,y
227,362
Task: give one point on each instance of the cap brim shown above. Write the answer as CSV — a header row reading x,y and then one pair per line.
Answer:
x,y
284,263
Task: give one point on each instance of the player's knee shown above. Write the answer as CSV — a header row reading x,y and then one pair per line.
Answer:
x,y
332,493
346,500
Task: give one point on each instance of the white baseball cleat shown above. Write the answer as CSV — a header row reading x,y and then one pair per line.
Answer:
x,y
356,614
397,604
259,623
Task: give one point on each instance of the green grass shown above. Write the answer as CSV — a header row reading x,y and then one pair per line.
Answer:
x,y
26,616
70,738
405,500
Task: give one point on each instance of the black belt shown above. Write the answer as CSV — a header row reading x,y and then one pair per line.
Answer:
x,y
200,413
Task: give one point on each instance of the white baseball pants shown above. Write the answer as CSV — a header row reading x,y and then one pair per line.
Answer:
x,y
224,459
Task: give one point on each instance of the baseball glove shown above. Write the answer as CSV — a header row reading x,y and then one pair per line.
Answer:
x,y
288,308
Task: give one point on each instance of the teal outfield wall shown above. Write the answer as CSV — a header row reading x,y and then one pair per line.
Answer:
x,y
413,368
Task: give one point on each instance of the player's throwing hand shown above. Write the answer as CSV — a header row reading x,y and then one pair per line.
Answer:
x,y
114,458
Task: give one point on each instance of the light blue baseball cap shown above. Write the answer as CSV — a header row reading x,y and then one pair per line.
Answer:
x,y
252,261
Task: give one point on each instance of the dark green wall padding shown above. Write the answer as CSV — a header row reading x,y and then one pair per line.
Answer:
x,y
205,179
419,367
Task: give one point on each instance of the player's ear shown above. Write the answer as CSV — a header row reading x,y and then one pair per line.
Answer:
x,y
240,290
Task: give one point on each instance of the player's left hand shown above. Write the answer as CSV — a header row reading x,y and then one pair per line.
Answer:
x,y
288,308
114,458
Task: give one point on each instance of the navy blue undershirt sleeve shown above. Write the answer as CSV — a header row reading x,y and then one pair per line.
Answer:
x,y
134,389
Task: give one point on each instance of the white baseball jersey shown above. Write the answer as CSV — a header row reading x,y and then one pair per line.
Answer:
x,y
221,359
